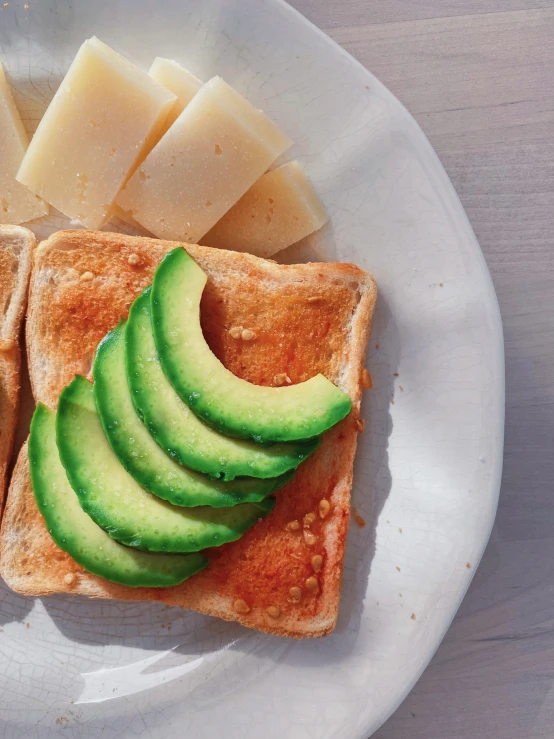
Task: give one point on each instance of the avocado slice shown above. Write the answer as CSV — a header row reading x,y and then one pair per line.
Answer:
x,y
229,404
142,457
78,535
117,503
178,430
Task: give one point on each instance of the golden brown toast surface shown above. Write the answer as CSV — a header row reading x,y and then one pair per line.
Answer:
x,y
306,319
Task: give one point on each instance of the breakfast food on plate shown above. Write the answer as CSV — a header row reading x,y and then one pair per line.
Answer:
x,y
184,86
296,322
136,446
18,204
176,428
179,81
217,148
230,404
197,408
76,532
118,504
167,154
279,209
16,250
104,118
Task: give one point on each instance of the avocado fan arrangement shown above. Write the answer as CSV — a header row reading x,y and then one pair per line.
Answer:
x,y
167,453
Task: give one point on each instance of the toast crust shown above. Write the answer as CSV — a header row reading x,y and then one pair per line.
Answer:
x,y
16,247
307,318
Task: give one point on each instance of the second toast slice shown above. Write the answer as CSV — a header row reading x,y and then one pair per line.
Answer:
x,y
16,251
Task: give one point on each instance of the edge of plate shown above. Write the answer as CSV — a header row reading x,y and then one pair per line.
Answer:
x,y
490,297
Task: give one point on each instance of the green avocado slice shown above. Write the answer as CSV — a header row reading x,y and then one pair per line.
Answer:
x,y
77,534
229,404
178,430
117,503
142,457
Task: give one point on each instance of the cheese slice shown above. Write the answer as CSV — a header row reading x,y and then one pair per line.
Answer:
x,y
17,203
217,148
184,85
279,209
102,121
177,80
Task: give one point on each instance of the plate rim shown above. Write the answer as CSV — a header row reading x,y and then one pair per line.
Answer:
x,y
489,297
373,719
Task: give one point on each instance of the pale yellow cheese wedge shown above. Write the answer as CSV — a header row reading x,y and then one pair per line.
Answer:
x,y
217,148
17,203
179,81
184,86
279,209
102,121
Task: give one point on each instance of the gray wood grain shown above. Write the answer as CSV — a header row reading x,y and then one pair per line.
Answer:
x,y
479,77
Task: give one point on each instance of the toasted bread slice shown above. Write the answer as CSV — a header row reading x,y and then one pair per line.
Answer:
x,y
307,318
16,249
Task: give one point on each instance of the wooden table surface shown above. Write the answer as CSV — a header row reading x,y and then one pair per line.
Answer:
x,y
478,75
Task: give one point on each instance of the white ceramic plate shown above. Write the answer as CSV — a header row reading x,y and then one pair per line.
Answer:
x,y
428,466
